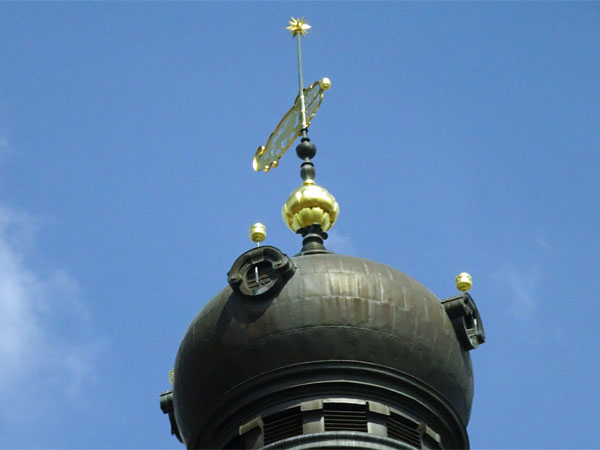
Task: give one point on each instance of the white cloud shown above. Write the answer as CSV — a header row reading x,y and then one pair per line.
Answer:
x,y
540,239
45,352
523,284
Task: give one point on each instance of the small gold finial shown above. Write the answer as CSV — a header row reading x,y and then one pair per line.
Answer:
x,y
298,26
310,204
172,376
325,83
258,233
464,282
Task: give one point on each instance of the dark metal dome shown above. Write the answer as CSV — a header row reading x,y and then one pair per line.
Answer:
x,y
327,330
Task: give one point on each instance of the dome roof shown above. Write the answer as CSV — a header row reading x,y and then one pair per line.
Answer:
x,y
316,307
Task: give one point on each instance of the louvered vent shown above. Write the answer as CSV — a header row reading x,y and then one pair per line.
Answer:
x,y
282,425
404,430
259,275
345,417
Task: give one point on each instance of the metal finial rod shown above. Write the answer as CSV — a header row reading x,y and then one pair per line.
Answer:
x,y
299,27
301,86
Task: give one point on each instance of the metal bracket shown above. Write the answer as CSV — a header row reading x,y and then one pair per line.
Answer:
x,y
166,405
260,272
466,321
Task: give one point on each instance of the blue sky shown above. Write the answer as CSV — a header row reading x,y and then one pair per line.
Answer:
x,y
456,137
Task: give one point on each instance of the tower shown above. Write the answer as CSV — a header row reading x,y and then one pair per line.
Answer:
x,y
321,350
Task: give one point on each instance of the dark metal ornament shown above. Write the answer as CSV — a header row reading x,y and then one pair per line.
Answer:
x,y
260,272
336,346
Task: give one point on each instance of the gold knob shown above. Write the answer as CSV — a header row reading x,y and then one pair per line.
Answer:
x,y
325,83
310,204
258,232
172,376
464,282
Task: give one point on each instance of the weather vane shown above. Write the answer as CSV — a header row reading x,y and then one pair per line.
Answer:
x,y
297,120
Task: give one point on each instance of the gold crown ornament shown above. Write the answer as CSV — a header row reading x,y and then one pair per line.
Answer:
x,y
310,204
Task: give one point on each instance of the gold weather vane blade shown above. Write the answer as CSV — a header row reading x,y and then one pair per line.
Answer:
x,y
313,96
290,127
297,120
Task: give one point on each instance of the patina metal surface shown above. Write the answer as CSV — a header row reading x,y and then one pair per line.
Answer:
x,y
340,324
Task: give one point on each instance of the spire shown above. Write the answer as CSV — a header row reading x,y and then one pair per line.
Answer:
x,y
309,210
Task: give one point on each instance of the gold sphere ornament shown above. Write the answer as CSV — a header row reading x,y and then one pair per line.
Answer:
x,y
464,282
310,204
258,232
325,83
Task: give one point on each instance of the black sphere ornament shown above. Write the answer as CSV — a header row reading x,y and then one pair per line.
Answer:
x,y
306,149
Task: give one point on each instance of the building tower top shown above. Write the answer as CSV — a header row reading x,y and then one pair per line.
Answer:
x,y
322,350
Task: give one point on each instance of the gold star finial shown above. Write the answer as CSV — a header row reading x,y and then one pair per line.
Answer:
x,y
298,26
